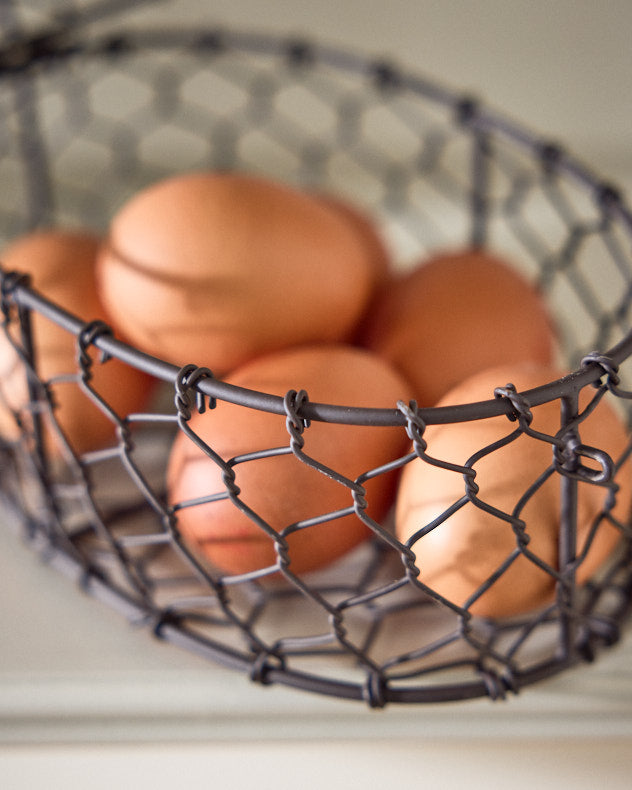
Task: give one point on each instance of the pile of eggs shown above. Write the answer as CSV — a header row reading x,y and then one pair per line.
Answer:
x,y
274,288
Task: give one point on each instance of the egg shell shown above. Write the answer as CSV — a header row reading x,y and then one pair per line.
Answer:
x,y
282,489
454,314
217,268
460,554
61,264
376,251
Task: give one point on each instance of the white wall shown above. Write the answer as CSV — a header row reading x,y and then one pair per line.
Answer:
x,y
562,67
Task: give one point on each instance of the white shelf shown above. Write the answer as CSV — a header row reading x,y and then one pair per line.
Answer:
x,y
74,670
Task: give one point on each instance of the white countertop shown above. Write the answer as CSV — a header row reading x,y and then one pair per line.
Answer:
x,y
83,693
72,669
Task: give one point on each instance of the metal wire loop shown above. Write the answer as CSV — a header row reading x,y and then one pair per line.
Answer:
x,y
568,451
157,621
598,629
186,379
211,41
568,460
261,667
86,337
551,154
415,425
495,686
509,680
522,411
374,690
608,196
292,403
300,52
606,364
10,281
467,108
87,575
606,629
603,459
386,75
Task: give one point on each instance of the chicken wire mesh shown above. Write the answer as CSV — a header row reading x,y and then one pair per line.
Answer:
x,y
93,111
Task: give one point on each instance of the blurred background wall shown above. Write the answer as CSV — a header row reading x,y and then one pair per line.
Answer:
x,y
563,67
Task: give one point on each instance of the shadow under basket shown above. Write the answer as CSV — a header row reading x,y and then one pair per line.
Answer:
x,y
93,112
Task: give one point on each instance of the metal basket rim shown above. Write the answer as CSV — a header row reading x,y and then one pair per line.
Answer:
x,y
215,388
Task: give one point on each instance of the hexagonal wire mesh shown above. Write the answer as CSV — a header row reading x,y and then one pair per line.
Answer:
x,y
88,119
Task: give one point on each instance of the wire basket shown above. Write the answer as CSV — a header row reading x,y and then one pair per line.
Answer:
x,y
92,113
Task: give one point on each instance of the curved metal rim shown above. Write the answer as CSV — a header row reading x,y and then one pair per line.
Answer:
x,y
61,45
323,412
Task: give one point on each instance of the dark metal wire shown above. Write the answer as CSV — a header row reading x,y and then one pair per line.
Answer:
x,y
368,638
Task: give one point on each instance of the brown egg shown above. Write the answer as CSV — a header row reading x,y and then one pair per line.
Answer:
x,y
282,489
61,264
376,250
456,314
472,543
217,268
